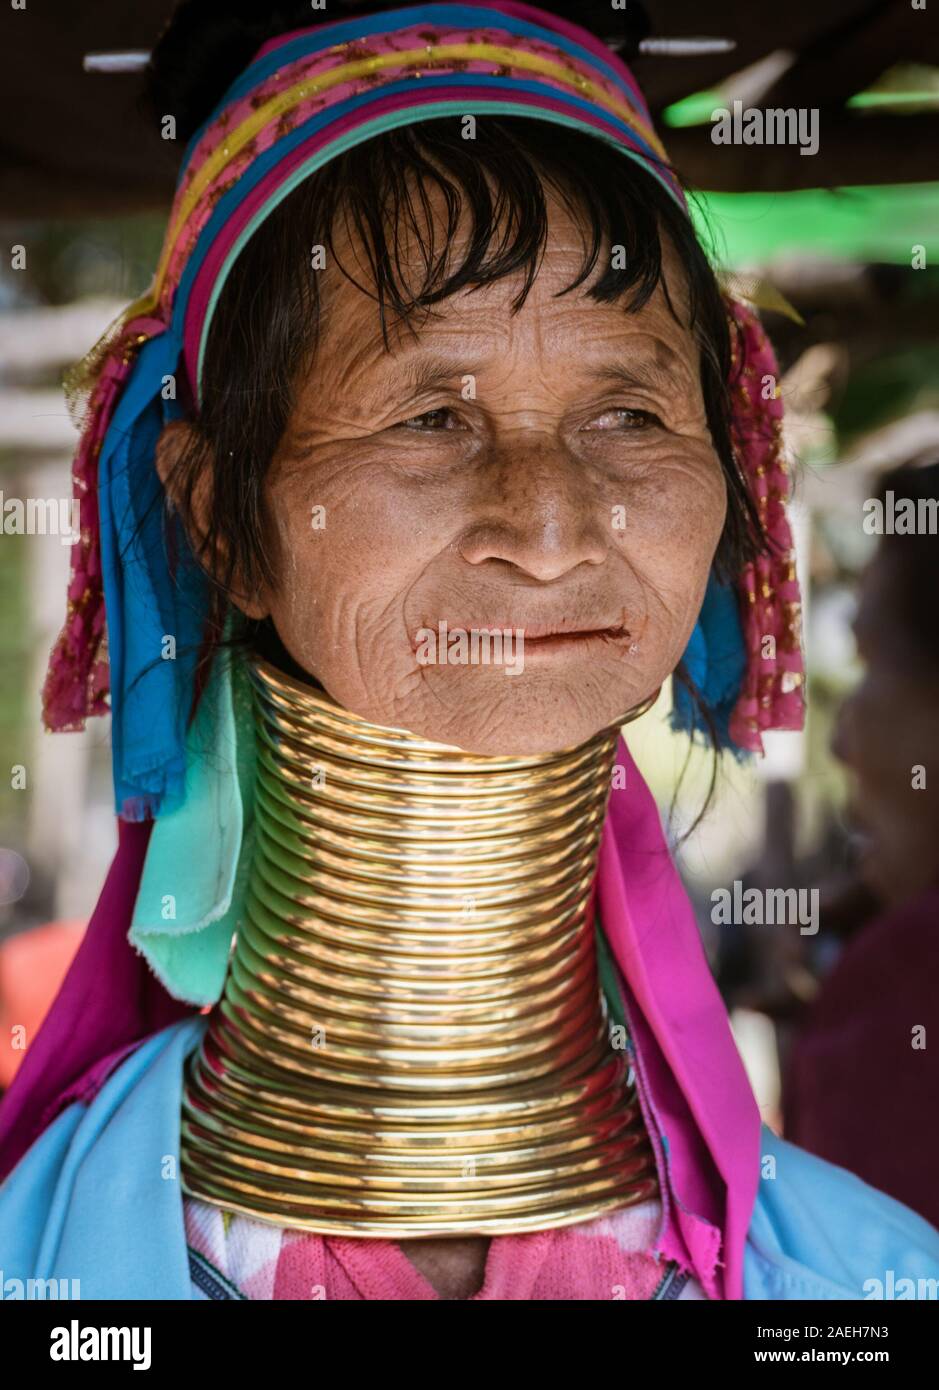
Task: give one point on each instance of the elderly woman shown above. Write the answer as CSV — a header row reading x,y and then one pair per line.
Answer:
x,y
432,453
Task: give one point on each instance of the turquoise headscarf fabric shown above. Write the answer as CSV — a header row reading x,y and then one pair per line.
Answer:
x,y
199,855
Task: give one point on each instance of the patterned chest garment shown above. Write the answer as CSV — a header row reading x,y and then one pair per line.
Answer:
x,y
609,1259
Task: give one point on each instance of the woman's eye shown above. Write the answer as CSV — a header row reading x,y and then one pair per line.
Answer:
x,y
624,419
440,419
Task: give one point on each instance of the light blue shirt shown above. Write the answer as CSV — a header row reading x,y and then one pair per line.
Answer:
x,y
98,1199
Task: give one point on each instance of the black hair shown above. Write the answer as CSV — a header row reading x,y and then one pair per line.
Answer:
x,y
264,332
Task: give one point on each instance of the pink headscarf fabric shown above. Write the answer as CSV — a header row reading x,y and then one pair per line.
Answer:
x,y
772,694
109,1001
700,1091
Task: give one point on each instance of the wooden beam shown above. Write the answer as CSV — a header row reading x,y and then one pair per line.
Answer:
x,y
854,149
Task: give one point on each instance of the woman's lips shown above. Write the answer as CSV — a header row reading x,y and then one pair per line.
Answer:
x,y
538,632
547,641
581,644
545,632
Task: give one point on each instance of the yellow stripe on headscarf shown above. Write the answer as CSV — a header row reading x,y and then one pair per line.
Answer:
x,y
234,141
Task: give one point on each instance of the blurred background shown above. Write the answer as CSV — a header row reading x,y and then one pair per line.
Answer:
x,y
842,251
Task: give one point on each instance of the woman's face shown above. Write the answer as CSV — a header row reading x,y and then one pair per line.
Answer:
x,y
888,735
547,475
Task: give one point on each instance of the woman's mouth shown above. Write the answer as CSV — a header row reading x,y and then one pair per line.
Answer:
x,y
544,638
537,642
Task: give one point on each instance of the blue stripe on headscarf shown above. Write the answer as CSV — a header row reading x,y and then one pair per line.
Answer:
x,y
715,660
261,166
451,16
155,617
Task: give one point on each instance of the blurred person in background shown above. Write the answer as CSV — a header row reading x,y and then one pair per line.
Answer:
x,y
862,1078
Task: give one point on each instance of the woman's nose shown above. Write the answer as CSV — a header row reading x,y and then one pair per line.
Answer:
x,y
539,513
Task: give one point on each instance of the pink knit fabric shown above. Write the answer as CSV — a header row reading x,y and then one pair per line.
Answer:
x,y
610,1259
772,695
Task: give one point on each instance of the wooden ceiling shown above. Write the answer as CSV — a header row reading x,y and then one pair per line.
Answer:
x,y
79,144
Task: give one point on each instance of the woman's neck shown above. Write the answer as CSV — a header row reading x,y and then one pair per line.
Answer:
x,y
411,1040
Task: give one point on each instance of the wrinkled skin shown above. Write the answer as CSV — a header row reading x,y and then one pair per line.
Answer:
x,y
496,511
887,727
